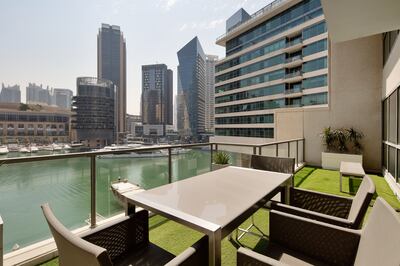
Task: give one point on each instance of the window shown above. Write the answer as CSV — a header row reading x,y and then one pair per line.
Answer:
x,y
385,119
315,47
393,117
278,74
314,30
254,119
246,132
316,64
270,90
271,104
315,82
315,99
279,59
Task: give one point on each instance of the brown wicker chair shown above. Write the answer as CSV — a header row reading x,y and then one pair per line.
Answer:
x,y
123,242
275,164
296,240
341,211
266,163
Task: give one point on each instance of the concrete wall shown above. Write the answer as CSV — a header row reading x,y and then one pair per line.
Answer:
x,y
354,99
289,124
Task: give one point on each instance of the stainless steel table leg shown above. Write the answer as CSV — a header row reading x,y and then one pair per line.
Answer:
x,y
214,248
341,177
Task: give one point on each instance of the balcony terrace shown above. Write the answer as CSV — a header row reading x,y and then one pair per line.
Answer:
x,y
176,238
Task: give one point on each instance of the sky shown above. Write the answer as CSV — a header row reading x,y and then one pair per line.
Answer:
x,y
52,42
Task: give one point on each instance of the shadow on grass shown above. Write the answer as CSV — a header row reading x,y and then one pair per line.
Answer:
x,y
162,221
302,175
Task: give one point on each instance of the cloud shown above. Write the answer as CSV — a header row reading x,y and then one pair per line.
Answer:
x,y
167,4
201,26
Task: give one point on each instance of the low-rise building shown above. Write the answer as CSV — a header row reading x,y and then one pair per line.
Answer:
x,y
24,123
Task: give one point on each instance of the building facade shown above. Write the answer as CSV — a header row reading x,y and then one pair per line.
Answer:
x,y
62,98
10,94
93,120
157,93
191,90
111,65
33,124
274,61
209,92
36,94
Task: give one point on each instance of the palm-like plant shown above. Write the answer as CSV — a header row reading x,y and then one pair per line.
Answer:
x,y
355,138
221,158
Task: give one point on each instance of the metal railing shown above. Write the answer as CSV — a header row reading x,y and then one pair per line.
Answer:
x,y
294,58
293,90
289,148
293,74
294,42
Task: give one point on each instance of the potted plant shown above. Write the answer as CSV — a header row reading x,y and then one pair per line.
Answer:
x,y
220,160
342,144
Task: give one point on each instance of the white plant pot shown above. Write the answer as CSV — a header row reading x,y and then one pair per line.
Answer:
x,y
331,160
218,166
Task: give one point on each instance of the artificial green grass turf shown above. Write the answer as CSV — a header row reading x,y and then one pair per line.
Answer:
x,y
176,238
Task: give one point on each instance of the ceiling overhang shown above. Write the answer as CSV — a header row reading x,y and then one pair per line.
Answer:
x,y
353,19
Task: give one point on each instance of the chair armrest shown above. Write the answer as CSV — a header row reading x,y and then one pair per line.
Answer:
x,y
328,243
246,257
320,202
195,255
130,232
312,215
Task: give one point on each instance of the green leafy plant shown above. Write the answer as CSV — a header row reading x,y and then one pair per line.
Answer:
x,y
221,158
342,140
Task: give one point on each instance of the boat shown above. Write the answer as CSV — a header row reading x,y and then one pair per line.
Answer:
x,y
140,153
13,147
33,149
56,147
24,150
121,187
3,150
47,148
67,147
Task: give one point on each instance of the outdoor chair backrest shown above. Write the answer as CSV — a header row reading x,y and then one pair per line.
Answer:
x,y
73,250
275,164
361,200
380,239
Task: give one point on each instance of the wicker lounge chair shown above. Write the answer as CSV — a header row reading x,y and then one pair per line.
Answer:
x,y
341,211
124,242
296,240
266,163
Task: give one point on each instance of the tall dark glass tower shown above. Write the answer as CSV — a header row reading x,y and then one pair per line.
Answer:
x,y
157,106
111,65
191,89
93,105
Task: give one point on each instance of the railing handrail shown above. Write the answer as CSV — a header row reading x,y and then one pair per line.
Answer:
x,y
128,150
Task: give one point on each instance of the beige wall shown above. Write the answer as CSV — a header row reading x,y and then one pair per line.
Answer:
x,y
288,124
354,99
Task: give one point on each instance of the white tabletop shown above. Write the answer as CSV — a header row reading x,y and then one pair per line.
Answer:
x,y
211,200
353,169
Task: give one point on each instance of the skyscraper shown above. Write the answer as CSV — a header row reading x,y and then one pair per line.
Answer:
x,y
37,94
157,106
94,120
191,89
10,94
209,92
62,98
111,65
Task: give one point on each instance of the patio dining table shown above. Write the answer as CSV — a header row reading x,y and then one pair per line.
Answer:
x,y
214,203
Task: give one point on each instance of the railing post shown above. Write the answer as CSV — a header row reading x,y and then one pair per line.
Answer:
x,y
260,150
169,166
254,150
211,155
93,191
288,149
304,150
276,150
297,153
